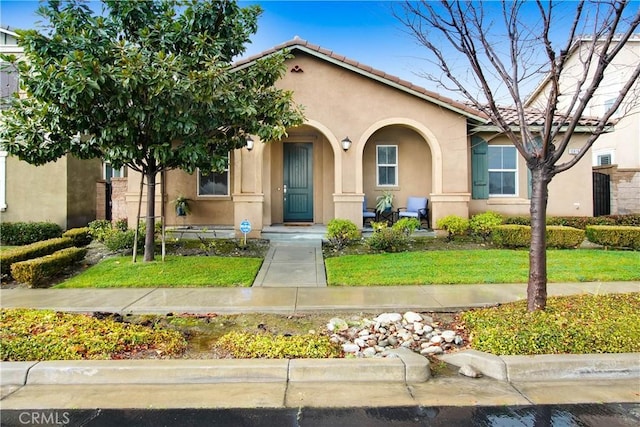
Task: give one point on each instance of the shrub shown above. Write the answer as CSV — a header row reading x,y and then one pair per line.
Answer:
x,y
121,224
407,225
246,345
519,236
340,232
482,225
36,272
116,240
80,236
580,222
564,237
512,236
379,225
99,229
388,240
34,250
517,220
454,225
619,237
25,233
631,220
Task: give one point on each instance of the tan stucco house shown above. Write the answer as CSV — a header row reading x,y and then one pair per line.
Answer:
x,y
615,154
405,139
62,192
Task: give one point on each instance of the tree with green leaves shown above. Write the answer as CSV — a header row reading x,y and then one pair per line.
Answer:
x,y
490,52
145,84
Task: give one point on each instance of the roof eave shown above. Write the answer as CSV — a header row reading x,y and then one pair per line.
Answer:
x,y
539,128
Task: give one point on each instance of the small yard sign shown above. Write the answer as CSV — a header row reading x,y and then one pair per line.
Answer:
x,y
245,227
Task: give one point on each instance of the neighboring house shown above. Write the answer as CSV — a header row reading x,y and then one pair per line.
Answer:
x,y
616,154
405,139
63,192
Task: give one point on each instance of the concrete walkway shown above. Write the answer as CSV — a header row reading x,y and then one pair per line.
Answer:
x,y
293,264
291,299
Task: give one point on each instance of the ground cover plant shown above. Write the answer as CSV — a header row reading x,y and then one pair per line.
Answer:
x,y
27,335
175,271
576,324
572,324
475,266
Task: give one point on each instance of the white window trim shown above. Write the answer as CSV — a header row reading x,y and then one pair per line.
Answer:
x,y
104,171
216,196
515,172
3,180
395,165
604,152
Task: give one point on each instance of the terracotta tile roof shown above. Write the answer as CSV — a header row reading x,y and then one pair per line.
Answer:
x,y
366,69
536,117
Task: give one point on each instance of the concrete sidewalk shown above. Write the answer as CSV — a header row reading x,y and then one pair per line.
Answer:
x,y
437,298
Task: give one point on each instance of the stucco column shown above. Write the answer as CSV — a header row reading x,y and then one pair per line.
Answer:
x,y
445,204
248,199
349,206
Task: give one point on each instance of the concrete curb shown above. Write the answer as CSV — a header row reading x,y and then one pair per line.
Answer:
x,y
548,366
407,367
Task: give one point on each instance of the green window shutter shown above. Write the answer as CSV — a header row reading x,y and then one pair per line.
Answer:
x,y
479,168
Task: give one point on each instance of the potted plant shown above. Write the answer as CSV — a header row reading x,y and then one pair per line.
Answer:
x,y
181,204
384,202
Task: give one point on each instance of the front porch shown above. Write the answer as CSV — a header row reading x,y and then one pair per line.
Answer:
x,y
273,233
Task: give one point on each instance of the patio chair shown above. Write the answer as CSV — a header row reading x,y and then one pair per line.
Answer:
x,y
367,213
417,207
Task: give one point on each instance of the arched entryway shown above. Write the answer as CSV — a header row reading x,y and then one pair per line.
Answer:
x,y
401,157
300,180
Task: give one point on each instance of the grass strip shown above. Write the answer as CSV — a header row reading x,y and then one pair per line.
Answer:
x,y
474,266
175,271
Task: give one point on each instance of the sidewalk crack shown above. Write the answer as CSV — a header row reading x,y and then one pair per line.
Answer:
x,y
138,299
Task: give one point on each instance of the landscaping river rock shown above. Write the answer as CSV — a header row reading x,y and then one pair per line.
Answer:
x,y
364,337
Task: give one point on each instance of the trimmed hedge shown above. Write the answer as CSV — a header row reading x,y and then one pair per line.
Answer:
x,y
25,233
580,222
36,272
619,237
519,236
564,237
511,235
80,236
34,250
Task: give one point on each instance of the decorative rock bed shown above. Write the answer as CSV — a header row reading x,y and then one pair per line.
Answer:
x,y
364,337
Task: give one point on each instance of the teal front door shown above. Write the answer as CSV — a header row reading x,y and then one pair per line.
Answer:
x,y
298,182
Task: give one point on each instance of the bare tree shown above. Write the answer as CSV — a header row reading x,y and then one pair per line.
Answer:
x,y
486,49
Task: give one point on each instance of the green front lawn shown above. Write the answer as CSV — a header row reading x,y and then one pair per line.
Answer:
x,y
175,271
479,266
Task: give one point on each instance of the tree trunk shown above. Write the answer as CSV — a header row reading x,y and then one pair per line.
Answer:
x,y
149,242
537,285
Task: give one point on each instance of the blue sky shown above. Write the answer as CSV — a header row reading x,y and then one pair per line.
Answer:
x,y
364,31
